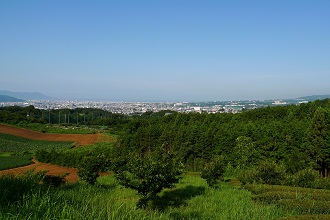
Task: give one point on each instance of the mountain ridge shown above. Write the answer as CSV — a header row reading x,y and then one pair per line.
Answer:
x,y
6,98
27,95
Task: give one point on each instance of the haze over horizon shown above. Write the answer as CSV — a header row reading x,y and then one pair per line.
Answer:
x,y
165,50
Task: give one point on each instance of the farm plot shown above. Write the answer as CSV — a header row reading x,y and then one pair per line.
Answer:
x,y
14,144
7,162
52,170
79,139
16,151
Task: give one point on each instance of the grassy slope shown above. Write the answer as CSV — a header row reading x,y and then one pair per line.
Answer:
x,y
192,199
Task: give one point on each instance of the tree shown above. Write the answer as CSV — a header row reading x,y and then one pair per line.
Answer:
x,y
149,174
319,139
214,170
244,152
91,166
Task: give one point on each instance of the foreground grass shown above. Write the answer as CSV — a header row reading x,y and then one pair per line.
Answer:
x,y
192,199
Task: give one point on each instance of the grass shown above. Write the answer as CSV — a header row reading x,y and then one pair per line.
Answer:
x,y
7,162
61,128
191,199
311,203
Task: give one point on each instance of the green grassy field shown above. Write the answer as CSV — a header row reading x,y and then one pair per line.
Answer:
x,y
7,162
192,199
62,129
310,203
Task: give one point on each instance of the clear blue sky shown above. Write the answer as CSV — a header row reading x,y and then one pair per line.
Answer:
x,y
165,50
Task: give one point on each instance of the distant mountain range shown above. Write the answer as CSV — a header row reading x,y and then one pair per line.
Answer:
x,y
8,96
314,97
5,98
26,95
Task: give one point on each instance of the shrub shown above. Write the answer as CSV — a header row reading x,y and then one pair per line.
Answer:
x,y
267,172
303,178
213,171
248,176
54,181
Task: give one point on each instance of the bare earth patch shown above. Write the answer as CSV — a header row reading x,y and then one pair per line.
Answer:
x,y
52,170
79,139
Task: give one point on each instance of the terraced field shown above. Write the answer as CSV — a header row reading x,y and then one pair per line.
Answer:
x,y
28,141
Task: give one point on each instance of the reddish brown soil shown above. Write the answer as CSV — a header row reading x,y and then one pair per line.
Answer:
x,y
52,170
79,139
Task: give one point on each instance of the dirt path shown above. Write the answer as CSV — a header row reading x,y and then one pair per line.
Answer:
x,y
52,170
79,139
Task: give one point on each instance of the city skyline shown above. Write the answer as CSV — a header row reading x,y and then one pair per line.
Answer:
x,y
165,51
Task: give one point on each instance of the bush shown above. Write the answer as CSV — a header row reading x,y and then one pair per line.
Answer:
x,y
213,171
303,178
54,181
322,183
267,172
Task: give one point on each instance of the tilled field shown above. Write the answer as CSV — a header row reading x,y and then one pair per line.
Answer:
x,y
79,139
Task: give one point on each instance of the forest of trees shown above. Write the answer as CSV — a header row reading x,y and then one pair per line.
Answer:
x,y
297,136
78,116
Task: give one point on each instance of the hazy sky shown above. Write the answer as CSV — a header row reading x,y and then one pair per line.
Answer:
x,y
165,50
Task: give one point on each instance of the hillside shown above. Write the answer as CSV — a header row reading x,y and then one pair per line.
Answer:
x,y
6,98
27,95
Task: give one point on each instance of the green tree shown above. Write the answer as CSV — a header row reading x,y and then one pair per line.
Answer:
x,y
244,152
213,171
319,139
91,166
149,173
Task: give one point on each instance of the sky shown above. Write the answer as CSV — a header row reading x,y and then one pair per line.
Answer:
x,y
165,50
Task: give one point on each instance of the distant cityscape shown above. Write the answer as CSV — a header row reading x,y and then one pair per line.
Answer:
x,y
134,108
41,101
